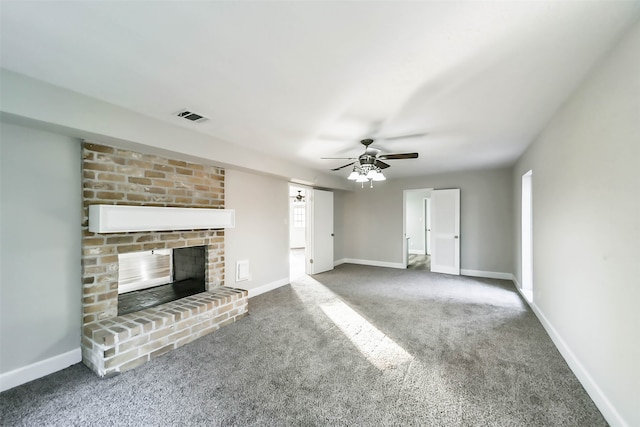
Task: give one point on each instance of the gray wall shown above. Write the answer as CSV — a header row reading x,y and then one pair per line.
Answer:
x,y
261,234
586,226
40,220
373,218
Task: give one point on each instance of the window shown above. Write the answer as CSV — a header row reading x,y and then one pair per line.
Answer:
x,y
298,217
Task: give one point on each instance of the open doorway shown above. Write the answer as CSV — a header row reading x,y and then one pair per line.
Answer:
x,y
297,230
417,210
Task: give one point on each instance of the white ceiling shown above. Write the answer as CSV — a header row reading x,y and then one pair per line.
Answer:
x,y
303,80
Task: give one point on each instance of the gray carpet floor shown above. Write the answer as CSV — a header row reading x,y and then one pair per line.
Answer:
x,y
357,346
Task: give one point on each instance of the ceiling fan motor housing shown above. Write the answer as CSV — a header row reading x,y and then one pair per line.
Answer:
x,y
367,159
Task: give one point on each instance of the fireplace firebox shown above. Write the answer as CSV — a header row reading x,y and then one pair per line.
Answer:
x,y
150,278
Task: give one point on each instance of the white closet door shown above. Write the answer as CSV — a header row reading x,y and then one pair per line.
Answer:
x,y
445,231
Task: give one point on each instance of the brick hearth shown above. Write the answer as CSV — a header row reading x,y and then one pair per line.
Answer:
x,y
115,345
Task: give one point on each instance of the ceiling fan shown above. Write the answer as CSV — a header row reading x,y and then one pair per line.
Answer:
x,y
299,198
368,166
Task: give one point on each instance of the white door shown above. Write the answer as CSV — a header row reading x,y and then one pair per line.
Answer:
x,y
445,231
320,228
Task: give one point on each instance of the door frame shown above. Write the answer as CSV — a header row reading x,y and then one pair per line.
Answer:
x,y
292,207
405,243
307,190
426,207
526,230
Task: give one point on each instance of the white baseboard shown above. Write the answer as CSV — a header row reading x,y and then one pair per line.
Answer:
x,y
608,411
464,272
528,296
39,369
486,274
515,282
268,287
372,263
416,252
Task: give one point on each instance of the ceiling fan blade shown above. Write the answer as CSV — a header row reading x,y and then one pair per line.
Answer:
x,y
399,156
413,135
344,166
338,158
382,165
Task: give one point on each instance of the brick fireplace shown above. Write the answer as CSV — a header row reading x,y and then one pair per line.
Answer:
x,y
112,343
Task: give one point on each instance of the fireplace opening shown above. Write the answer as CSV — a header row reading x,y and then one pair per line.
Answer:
x,y
151,278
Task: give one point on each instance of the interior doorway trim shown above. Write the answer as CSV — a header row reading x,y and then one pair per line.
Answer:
x,y
527,235
405,242
300,239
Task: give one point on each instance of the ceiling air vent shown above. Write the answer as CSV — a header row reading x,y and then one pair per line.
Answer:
x,y
191,116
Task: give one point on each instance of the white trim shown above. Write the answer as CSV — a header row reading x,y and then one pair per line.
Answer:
x,y
486,274
39,369
416,252
605,406
527,298
405,240
268,287
526,233
339,261
372,263
515,282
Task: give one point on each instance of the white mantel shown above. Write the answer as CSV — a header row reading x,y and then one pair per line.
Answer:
x,y
124,218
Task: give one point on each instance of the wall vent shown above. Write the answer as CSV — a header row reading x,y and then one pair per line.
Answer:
x,y
242,271
191,116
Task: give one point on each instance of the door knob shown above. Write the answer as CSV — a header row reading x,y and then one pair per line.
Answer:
x,y
455,237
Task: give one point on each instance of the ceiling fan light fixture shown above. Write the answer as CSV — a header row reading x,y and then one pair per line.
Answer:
x,y
379,177
368,166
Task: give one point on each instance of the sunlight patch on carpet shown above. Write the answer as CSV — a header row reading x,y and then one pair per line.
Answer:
x,y
380,350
